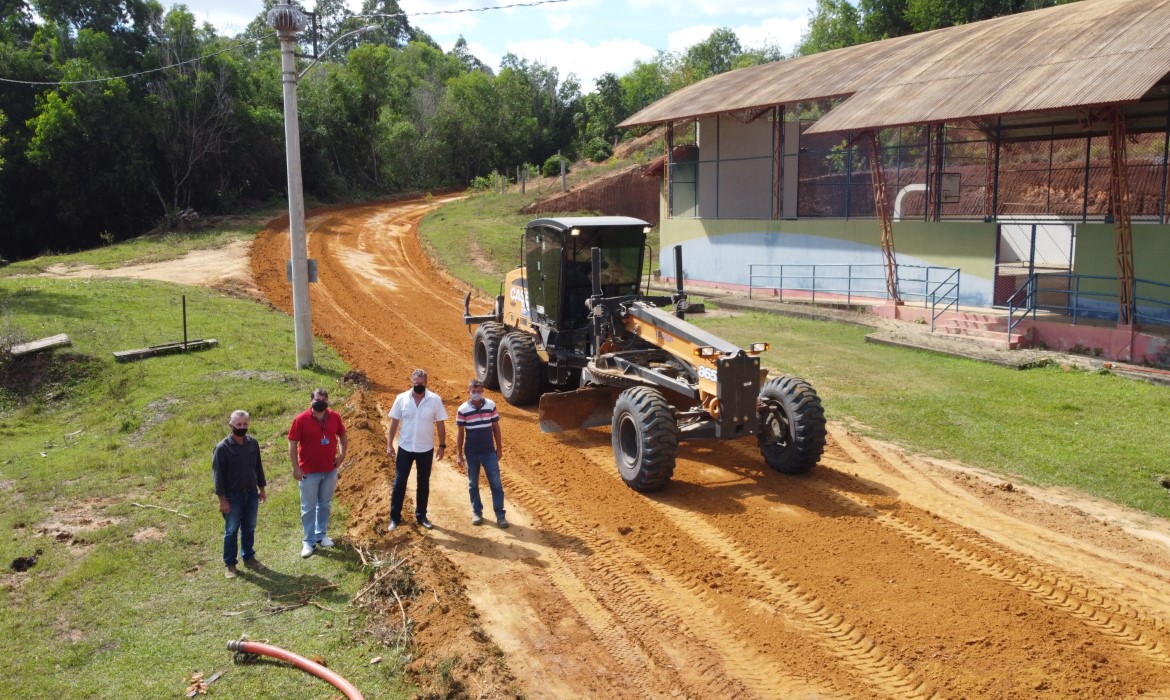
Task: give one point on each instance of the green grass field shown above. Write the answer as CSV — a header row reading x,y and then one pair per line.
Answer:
x,y
126,600
1095,432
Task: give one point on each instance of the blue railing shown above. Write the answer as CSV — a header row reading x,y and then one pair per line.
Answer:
x,y
944,296
1078,302
863,281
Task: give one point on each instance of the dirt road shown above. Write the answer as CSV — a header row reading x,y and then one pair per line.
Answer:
x,y
878,575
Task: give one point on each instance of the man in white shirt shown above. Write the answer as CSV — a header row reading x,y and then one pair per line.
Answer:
x,y
419,413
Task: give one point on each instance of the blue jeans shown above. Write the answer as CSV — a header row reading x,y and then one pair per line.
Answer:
x,y
241,520
402,463
316,504
491,467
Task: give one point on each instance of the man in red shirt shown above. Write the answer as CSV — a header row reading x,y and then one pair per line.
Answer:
x,y
313,440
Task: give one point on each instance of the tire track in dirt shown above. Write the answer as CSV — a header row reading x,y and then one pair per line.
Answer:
x,y
1091,607
871,577
647,596
841,638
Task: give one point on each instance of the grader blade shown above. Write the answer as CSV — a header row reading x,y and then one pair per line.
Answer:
x,y
573,410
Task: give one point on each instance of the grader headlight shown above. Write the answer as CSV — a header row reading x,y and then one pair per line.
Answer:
x,y
705,351
757,348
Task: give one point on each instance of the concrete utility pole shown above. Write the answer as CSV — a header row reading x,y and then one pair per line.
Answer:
x,y
287,21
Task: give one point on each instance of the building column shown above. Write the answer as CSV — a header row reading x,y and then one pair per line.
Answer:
x,y
1122,225
882,208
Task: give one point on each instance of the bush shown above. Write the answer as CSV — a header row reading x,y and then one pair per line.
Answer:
x,y
552,166
598,149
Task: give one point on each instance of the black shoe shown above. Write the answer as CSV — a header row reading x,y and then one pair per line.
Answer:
x,y
426,523
392,526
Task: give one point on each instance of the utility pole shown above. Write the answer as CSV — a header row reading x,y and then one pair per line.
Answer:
x,y
287,21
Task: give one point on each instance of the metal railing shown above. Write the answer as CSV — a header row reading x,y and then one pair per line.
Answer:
x,y
865,281
1027,299
944,296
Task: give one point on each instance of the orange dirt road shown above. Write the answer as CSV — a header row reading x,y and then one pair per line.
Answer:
x,y
878,575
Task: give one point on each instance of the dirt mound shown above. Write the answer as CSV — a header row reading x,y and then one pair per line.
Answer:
x,y
628,192
455,657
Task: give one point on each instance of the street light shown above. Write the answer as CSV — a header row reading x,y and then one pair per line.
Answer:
x,y
287,21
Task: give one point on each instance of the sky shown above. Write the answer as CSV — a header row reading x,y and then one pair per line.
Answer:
x,y
585,37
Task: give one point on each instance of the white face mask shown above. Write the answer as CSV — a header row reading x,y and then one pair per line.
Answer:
x,y
477,396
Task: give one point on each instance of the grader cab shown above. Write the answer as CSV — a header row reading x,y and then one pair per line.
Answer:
x,y
576,329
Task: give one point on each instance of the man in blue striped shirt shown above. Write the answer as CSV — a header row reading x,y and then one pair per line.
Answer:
x,y
479,444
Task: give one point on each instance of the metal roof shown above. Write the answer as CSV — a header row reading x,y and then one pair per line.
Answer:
x,y
567,222
1087,53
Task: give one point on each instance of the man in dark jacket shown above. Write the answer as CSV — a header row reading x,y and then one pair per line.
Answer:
x,y
239,484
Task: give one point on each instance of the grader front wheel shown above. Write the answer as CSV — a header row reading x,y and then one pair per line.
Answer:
x,y
645,438
486,350
792,425
518,369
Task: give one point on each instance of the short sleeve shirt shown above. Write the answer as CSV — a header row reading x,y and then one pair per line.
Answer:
x,y
318,444
477,423
416,431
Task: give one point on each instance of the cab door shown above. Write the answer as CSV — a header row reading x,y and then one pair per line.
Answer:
x,y
543,247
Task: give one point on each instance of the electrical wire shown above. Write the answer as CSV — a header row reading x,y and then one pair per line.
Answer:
x,y
135,75
464,10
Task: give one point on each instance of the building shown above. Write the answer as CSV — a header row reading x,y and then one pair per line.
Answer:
x,y
1018,162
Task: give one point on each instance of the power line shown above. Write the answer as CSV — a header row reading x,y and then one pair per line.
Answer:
x,y
135,75
464,10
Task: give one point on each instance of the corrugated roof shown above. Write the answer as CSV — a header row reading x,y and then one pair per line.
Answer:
x,y
1092,52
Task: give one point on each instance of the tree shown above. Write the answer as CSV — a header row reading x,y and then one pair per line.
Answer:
x,y
714,55
643,85
3,121
192,113
393,29
101,191
883,19
834,24
466,58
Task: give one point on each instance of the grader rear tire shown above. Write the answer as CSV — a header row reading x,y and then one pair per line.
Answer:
x,y
486,351
518,369
645,438
792,425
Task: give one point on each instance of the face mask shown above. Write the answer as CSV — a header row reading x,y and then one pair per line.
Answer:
x,y
477,396
319,406
420,389
239,432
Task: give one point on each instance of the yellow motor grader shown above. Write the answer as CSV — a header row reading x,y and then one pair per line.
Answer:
x,y
574,327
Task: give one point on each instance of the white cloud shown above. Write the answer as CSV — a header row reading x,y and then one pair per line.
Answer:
x,y
227,22
684,39
558,22
587,61
720,8
784,33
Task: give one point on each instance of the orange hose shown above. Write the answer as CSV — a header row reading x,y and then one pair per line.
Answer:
x,y
300,662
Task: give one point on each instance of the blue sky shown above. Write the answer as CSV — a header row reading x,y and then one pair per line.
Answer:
x,y
585,37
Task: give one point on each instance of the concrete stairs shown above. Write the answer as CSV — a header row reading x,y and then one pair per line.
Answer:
x,y
981,328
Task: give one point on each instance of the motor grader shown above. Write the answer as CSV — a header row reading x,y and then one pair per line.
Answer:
x,y
575,328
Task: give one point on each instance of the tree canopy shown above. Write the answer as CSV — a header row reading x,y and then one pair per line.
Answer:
x,y
118,116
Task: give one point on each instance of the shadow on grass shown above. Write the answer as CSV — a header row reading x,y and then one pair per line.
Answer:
x,y
292,590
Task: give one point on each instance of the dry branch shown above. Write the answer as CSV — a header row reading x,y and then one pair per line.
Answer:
x,y
171,510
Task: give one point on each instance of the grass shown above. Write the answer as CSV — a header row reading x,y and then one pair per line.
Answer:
x,y
1098,433
129,601
150,248
477,239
